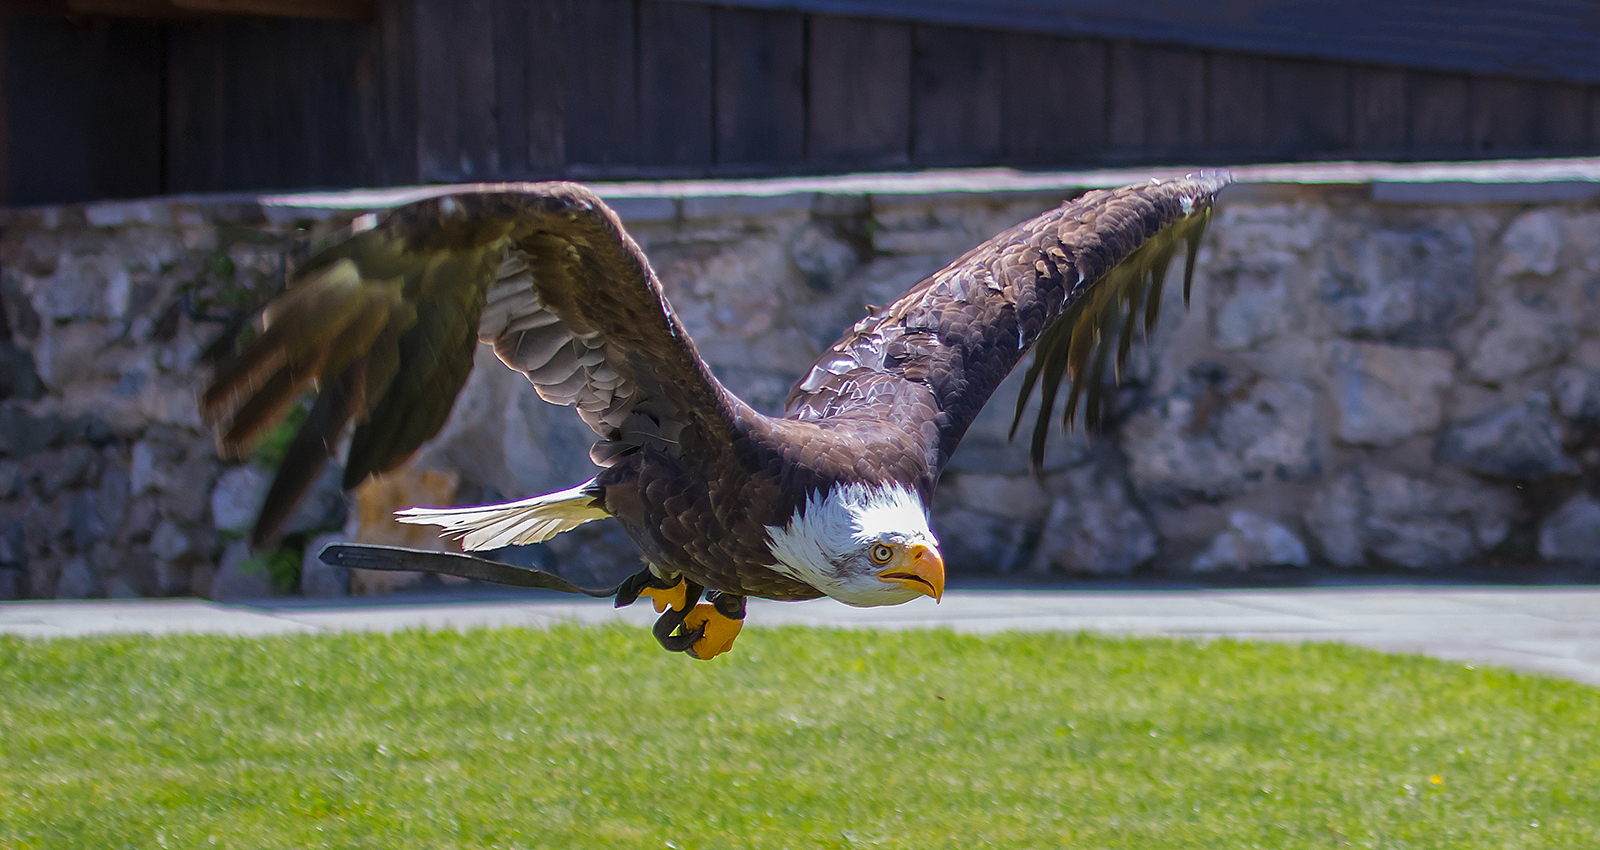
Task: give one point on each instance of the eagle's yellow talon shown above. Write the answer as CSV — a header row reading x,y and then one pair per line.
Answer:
x,y
719,631
675,597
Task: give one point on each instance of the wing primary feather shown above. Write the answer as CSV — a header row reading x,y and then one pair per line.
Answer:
x,y
235,377
302,326
362,459
262,410
1083,373
1095,334
1196,231
1055,364
1083,337
1094,395
382,363
1129,322
308,451
428,375
428,415
1158,281
1029,378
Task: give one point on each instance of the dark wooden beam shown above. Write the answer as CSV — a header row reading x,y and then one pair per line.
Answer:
x,y
1158,102
601,89
760,87
348,10
859,93
5,123
676,54
956,93
1060,116
1536,39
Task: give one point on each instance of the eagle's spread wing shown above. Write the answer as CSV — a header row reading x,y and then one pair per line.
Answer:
x,y
1073,283
384,324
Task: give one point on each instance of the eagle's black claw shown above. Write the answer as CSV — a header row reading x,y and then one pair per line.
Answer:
x,y
718,622
675,601
669,623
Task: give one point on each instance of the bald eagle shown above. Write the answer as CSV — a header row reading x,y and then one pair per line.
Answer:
x,y
829,499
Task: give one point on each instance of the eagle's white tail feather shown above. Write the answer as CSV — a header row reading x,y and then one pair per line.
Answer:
x,y
532,520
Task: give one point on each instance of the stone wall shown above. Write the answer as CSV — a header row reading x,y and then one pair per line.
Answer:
x,y
1358,385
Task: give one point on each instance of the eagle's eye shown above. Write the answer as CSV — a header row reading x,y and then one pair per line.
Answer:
x,y
882,553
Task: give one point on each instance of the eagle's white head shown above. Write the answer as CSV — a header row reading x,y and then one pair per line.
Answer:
x,y
862,545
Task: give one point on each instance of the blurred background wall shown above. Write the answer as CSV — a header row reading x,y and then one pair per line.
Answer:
x,y
1372,376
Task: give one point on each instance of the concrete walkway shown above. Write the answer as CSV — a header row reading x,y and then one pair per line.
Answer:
x,y
1553,630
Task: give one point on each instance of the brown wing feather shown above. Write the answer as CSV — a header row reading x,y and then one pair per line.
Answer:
x,y
385,323
1068,283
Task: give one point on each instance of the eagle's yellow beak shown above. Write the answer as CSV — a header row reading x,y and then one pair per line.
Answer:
x,y
919,568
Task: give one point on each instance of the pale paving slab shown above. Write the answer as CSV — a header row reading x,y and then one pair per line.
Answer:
x,y
1549,630
149,616
488,615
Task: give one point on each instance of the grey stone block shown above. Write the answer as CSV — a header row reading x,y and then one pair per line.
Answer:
x,y
823,259
111,500
19,376
238,577
77,581
595,554
1522,442
1479,192
1531,244
989,448
1572,533
1372,513
974,543
71,468
13,545
1094,527
187,497
1337,517
642,209
1409,286
1216,440
237,498
1386,393
1577,394
323,507
169,542
1512,338
23,434
729,206
1252,541
10,479
83,519
118,587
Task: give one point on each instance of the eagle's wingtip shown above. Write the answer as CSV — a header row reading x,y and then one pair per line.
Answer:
x,y
1211,179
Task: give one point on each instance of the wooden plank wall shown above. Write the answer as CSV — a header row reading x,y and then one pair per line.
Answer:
x,y
452,90
82,113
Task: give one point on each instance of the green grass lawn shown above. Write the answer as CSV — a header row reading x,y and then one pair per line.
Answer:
x,y
583,737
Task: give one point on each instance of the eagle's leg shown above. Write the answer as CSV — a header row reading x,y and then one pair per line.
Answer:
x,y
704,631
715,624
643,583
